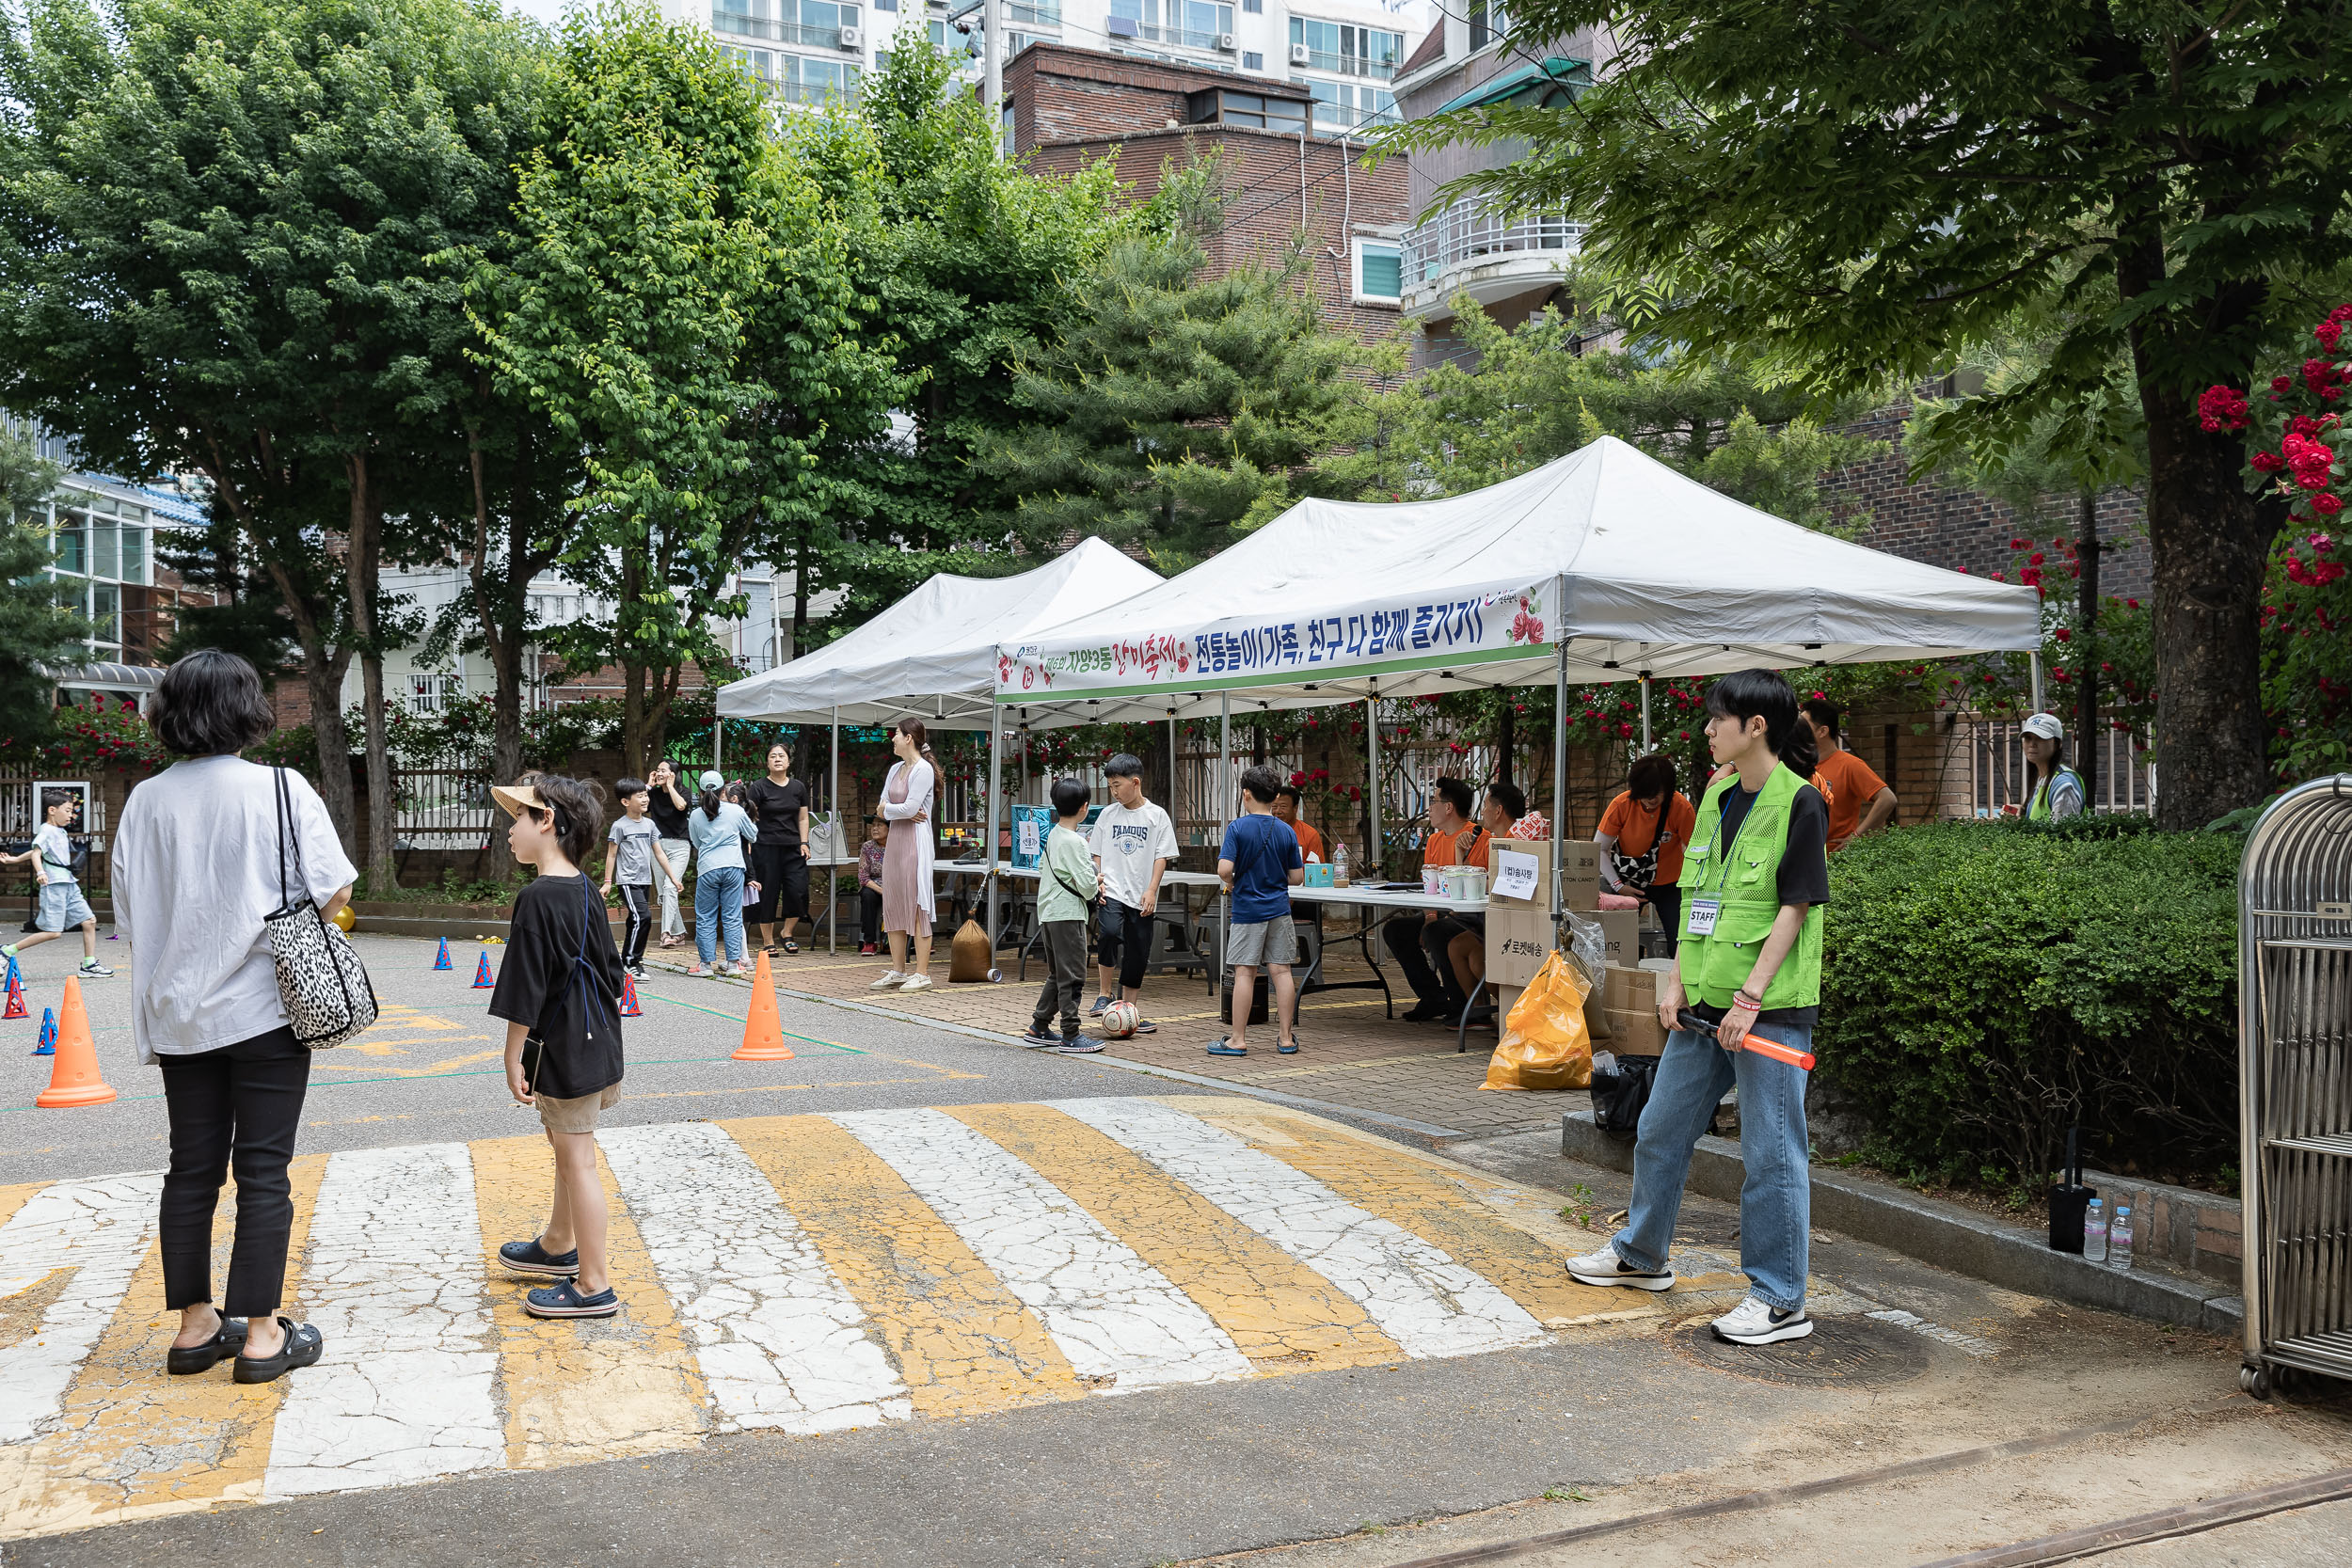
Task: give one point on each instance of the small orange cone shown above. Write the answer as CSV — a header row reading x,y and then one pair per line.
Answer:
x,y
74,1081
763,1032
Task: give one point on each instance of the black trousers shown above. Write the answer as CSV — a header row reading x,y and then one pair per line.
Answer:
x,y
638,901
870,917
1122,942
1065,976
1419,947
1667,900
238,1106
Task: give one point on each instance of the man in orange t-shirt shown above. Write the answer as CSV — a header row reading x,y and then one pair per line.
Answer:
x,y
1286,810
1859,799
1419,940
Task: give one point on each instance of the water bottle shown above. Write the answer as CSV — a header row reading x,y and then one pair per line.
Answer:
x,y
1339,863
2095,1232
2120,1239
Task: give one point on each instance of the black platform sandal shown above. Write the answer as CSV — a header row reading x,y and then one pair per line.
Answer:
x,y
301,1348
187,1359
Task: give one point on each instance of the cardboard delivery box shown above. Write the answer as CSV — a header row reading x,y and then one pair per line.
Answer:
x,y
1634,1032
1518,943
1620,936
1579,882
1632,990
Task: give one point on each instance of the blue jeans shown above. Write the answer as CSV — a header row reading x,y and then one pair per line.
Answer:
x,y
718,905
1776,1200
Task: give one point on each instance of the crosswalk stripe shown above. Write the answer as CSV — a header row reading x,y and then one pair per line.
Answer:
x,y
406,1389
628,1386
1284,1315
780,1341
1439,1207
1423,1299
965,1345
96,1231
132,1441
1119,1319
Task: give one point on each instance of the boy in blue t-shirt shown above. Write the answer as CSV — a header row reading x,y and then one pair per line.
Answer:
x,y
1258,864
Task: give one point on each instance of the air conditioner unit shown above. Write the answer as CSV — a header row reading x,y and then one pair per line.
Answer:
x,y
853,38
1225,42
1300,53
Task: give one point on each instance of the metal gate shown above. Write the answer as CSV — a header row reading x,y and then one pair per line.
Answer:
x,y
2294,1083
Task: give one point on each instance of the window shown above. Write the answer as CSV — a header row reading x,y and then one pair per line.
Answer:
x,y
1011,145
800,80
1345,106
1224,106
1191,23
434,690
1348,50
1252,63
1379,270
1488,22
1255,8
885,4
803,22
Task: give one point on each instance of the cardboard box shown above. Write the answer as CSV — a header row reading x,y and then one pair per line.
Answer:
x,y
1580,880
1632,990
1518,943
1636,1034
1620,936
1318,875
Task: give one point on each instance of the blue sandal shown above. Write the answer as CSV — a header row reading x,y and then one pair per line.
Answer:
x,y
565,1301
1227,1047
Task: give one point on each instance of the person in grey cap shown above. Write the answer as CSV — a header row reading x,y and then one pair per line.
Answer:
x,y
2058,790
719,828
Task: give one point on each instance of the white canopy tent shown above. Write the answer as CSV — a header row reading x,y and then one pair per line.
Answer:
x,y
1605,565
933,654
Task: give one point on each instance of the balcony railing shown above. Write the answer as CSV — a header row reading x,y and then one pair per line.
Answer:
x,y
1350,64
776,32
1472,231
1121,27
814,92
1039,16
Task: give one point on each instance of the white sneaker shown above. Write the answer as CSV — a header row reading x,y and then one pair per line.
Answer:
x,y
891,980
1753,1323
1606,1268
917,981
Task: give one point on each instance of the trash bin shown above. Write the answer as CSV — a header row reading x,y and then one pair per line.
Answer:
x,y
2294,1084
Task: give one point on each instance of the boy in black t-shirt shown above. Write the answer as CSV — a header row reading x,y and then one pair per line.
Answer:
x,y
558,991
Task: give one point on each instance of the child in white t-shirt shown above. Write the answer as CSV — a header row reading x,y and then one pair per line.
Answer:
x,y
61,901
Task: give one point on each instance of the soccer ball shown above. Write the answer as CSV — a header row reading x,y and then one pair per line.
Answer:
x,y
1120,1020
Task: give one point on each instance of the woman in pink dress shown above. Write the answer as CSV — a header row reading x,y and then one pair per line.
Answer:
x,y
909,905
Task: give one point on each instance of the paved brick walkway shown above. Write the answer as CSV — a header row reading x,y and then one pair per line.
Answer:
x,y
1351,1054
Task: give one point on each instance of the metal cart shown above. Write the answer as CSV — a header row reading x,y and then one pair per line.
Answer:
x,y
2294,1084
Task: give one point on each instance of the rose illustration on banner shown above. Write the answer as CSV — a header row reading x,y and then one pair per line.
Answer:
x,y
1526,626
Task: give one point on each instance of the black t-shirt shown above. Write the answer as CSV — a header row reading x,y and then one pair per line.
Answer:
x,y
778,808
561,980
1802,878
668,820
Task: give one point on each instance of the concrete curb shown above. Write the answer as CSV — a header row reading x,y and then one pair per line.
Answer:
x,y
1944,1234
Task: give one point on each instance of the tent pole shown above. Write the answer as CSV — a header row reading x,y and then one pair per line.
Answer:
x,y
2033,667
718,759
840,839
988,860
1233,809
1560,737
1645,711
1175,808
1373,864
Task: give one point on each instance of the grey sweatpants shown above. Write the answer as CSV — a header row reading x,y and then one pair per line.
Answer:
x,y
1065,976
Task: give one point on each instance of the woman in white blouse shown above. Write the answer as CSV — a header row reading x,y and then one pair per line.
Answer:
x,y
909,905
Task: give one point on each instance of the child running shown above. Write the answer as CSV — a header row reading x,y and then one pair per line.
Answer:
x,y
61,901
1258,864
1065,887
635,851
558,991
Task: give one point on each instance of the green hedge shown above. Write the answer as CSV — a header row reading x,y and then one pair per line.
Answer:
x,y
1986,984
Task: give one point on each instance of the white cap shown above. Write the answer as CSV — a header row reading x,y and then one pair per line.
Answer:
x,y
2047,725
712,778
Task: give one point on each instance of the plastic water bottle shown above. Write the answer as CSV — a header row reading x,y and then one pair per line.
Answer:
x,y
2095,1232
2120,1239
1339,863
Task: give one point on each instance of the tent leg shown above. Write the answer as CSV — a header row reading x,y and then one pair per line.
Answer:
x,y
2033,667
840,839
1174,809
1560,747
1233,809
1646,746
988,856
1375,864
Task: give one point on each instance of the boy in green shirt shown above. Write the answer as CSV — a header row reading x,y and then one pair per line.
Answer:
x,y
1065,889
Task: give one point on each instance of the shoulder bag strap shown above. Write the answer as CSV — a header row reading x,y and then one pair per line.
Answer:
x,y
287,840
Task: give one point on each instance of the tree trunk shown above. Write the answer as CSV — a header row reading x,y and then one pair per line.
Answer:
x,y
632,717
2087,725
500,608
322,675
1505,738
364,543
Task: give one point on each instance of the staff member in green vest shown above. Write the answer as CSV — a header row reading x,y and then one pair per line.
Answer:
x,y
1754,882
2058,790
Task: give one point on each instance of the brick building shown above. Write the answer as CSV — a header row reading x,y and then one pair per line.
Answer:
x,y
1284,172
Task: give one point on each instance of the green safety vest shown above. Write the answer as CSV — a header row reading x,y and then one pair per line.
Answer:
x,y
1745,875
2038,809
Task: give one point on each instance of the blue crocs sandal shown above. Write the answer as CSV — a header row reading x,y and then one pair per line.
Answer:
x,y
531,1258
1289,1050
565,1301
1227,1047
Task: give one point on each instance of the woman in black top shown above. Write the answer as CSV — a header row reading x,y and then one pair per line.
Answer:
x,y
780,858
668,808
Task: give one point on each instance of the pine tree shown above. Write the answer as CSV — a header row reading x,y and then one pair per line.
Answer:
x,y
37,638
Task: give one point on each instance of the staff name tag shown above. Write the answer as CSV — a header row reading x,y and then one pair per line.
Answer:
x,y
1703,913
1515,874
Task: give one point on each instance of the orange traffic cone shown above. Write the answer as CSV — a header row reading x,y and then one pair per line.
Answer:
x,y
74,1081
763,1032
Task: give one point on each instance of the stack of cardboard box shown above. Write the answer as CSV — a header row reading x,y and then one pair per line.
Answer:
x,y
1519,933
1630,1001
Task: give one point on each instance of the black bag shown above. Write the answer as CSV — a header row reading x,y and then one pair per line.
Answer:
x,y
1620,1093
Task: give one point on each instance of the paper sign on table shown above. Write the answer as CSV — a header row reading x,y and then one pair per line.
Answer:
x,y
1515,874
1028,836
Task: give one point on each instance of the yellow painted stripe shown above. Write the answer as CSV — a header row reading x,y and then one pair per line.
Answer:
x,y
1442,1207
135,1441
582,1389
1284,1315
963,1344
13,1199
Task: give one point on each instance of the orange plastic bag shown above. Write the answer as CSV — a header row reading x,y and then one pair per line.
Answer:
x,y
1545,1043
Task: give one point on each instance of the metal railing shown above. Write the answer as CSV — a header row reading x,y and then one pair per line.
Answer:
x,y
1041,16
1471,229
1350,64
776,32
2123,778
814,92
442,802
1182,37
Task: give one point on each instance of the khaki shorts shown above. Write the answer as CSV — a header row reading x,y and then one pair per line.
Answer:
x,y
1262,943
578,1114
